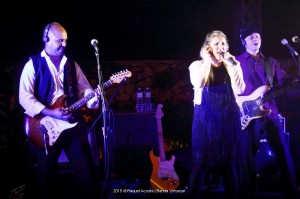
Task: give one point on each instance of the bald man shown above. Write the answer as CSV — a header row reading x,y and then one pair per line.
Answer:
x,y
49,83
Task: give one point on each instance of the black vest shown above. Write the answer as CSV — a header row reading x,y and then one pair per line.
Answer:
x,y
44,84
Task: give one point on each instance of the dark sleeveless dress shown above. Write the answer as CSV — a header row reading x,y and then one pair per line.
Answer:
x,y
216,123
216,131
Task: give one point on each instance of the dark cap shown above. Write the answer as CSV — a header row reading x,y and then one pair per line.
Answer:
x,y
245,32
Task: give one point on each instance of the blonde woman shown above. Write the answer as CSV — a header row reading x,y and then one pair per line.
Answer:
x,y
216,129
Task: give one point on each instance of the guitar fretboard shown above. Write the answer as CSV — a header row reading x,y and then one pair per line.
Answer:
x,y
278,92
86,98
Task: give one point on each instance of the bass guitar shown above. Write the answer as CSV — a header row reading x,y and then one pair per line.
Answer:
x,y
43,131
163,175
251,106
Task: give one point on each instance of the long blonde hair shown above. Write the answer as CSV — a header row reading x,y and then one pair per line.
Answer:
x,y
208,38
214,33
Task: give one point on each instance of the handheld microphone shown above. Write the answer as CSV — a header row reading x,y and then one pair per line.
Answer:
x,y
94,42
230,59
286,43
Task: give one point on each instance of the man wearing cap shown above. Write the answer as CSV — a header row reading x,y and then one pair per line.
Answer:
x,y
262,72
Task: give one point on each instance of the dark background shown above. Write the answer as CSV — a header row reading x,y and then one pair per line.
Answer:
x,y
139,29
129,30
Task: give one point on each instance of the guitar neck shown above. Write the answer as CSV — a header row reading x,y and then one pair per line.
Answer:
x,y
86,98
162,154
279,92
107,84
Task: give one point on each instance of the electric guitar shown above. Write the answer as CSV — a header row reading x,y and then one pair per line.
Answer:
x,y
251,106
163,175
43,131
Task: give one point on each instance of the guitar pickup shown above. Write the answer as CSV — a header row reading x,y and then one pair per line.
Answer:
x,y
49,125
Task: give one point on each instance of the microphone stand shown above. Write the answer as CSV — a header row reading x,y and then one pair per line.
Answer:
x,y
298,66
294,55
112,97
105,126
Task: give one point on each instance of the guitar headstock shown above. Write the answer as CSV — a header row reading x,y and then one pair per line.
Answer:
x,y
159,113
119,76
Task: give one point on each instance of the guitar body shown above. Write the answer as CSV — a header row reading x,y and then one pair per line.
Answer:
x,y
251,107
163,175
45,130
259,92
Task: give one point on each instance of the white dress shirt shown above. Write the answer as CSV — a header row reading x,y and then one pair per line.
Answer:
x,y
26,87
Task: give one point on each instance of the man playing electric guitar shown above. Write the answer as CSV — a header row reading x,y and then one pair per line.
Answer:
x,y
260,73
45,78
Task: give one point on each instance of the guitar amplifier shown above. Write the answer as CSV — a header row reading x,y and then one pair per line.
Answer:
x,y
134,138
265,152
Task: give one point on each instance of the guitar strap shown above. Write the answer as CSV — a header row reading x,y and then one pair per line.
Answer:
x,y
268,70
70,82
